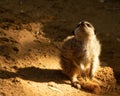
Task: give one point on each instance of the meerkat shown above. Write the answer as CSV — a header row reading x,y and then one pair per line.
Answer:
x,y
79,55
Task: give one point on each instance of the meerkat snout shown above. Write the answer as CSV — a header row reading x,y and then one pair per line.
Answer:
x,y
81,24
84,29
85,23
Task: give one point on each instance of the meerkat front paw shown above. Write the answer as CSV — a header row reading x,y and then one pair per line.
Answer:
x,y
76,84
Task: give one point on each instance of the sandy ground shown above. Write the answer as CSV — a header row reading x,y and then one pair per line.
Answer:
x,y
31,33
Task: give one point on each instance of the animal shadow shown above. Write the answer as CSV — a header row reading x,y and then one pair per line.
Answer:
x,y
35,74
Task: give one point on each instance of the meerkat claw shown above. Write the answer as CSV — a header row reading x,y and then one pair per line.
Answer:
x,y
76,85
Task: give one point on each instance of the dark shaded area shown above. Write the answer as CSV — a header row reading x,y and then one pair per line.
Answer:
x,y
35,74
117,75
58,18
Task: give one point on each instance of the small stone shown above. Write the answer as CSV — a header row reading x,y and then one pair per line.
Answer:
x,y
15,80
22,11
52,84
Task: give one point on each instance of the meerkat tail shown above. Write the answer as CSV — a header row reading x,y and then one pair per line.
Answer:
x,y
90,86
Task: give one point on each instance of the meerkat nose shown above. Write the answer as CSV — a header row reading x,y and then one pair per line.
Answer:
x,y
82,23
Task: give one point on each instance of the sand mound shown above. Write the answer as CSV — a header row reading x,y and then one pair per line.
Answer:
x,y
106,79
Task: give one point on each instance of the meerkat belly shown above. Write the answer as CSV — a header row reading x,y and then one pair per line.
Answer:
x,y
88,57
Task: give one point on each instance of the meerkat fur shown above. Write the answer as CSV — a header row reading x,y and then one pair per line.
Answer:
x,y
79,56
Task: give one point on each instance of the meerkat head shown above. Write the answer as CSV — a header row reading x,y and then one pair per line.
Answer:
x,y
84,29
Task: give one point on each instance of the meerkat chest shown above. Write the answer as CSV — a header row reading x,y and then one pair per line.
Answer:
x,y
89,49
86,51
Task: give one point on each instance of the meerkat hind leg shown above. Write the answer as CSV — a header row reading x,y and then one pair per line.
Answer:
x,y
75,72
72,71
89,85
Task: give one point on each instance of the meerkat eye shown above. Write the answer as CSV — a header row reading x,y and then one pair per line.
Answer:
x,y
88,25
